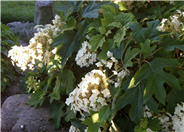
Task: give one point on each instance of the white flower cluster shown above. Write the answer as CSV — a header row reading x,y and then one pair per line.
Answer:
x,y
84,56
173,24
73,129
91,94
39,48
178,118
169,123
147,112
109,64
166,122
116,1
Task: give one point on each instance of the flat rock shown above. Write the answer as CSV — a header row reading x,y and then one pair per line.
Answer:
x,y
23,30
15,88
17,116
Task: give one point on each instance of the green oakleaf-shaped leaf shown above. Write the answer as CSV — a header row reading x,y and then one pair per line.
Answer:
x,y
68,80
152,104
96,42
154,124
108,19
115,25
107,8
105,114
117,21
56,113
70,41
139,129
123,122
91,10
36,98
155,77
129,55
125,18
146,49
63,39
119,36
142,126
70,24
64,84
174,97
140,34
134,97
78,124
118,52
94,26
170,44
106,46
92,122
109,13
68,7
69,115
56,93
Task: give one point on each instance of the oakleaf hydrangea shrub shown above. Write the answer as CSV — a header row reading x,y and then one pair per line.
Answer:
x,y
102,67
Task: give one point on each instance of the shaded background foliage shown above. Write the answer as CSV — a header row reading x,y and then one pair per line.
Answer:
x,y
8,72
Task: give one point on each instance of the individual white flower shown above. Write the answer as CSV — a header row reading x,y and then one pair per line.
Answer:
x,y
122,74
87,37
104,62
120,77
106,93
114,59
147,112
149,130
109,54
99,64
99,130
115,72
176,23
117,84
116,1
40,65
111,81
109,65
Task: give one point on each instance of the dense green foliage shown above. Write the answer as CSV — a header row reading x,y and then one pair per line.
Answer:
x,y
153,58
8,72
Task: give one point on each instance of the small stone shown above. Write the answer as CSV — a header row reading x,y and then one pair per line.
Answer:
x,y
22,126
